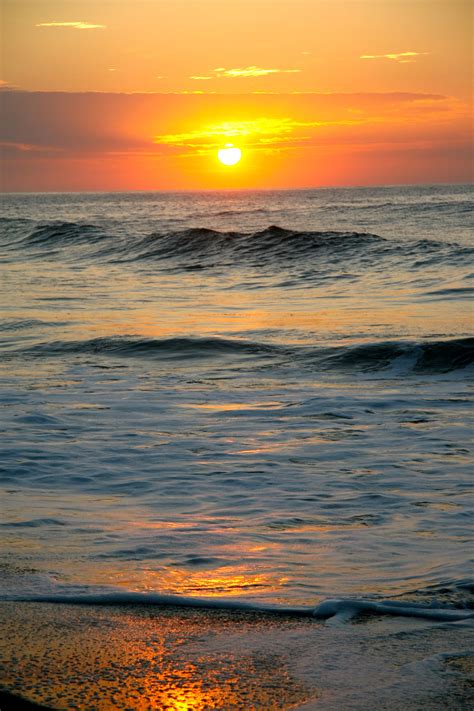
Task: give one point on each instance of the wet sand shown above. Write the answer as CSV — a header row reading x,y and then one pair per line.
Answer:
x,y
119,657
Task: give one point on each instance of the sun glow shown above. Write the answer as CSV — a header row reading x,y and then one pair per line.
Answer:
x,y
230,155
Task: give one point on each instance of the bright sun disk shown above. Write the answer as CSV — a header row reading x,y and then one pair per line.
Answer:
x,y
230,155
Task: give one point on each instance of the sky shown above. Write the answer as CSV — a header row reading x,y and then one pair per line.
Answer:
x,y
141,95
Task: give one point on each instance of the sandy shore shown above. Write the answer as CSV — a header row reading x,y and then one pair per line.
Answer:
x,y
107,658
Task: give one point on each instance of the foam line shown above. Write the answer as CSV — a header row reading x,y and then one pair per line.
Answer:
x,y
337,610
343,610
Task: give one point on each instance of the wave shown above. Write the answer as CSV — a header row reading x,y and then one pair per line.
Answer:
x,y
423,357
62,234
198,242
33,523
414,206
419,357
201,247
153,347
252,211
5,222
336,611
270,244
22,324
452,292
440,206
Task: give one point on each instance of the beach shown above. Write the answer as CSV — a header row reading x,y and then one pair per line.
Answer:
x,y
88,657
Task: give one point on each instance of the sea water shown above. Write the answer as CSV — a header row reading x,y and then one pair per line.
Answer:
x,y
250,396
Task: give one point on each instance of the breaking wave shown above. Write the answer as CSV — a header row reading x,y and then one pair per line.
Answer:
x,y
417,357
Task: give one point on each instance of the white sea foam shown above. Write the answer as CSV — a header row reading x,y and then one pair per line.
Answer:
x,y
336,611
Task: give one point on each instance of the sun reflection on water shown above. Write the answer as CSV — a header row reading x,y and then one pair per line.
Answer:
x,y
110,659
225,582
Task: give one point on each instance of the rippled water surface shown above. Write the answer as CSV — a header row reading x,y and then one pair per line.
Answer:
x,y
259,395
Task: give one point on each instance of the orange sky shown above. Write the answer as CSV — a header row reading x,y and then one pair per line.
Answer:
x,y
102,95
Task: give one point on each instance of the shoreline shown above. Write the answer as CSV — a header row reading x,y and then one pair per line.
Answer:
x,y
90,657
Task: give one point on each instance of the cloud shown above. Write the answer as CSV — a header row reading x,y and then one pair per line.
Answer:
x,y
251,71
73,25
73,145
400,57
5,85
256,132
8,148
216,132
78,124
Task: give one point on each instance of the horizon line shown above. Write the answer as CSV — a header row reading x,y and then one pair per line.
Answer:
x,y
235,190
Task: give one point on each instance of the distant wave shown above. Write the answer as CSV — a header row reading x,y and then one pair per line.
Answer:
x,y
425,206
154,347
405,356
268,245
6,221
450,206
451,293
19,325
62,233
253,211
200,247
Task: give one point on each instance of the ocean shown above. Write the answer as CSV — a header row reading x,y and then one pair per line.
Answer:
x,y
253,399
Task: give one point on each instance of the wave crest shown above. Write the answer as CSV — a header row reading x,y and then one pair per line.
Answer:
x,y
62,234
403,356
269,244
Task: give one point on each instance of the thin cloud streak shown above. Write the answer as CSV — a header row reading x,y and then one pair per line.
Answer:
x,y
400,57
73,25
13,147
252,71
242,72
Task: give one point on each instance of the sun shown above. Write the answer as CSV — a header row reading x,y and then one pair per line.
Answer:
x,y
230,155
